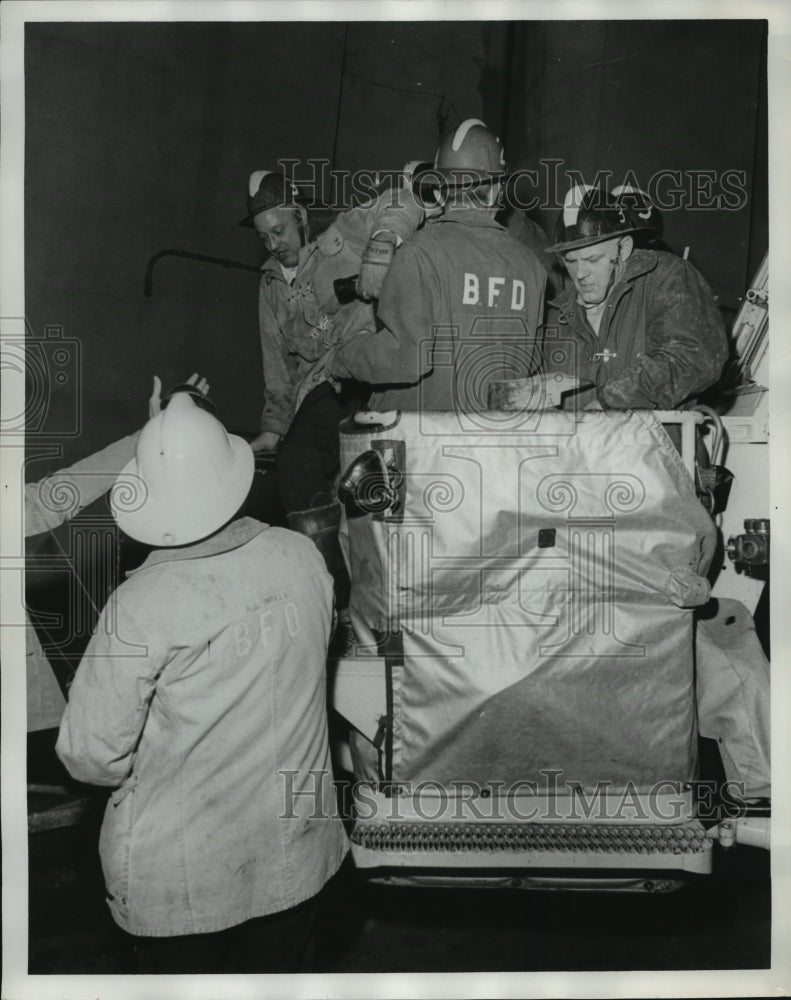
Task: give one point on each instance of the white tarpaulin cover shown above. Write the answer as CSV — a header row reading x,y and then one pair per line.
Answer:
x,y
536,582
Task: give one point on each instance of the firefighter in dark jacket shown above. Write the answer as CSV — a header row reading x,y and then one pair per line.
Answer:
x,y
462,302
641,325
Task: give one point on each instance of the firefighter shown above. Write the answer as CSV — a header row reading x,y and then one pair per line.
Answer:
x,y
300,321
462,301
641,325
201,702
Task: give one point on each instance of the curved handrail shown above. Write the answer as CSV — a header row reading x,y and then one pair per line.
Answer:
x,y
149,278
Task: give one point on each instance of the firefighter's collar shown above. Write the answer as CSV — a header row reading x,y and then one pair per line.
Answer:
x,y
640,262
232,536
470,217
274,269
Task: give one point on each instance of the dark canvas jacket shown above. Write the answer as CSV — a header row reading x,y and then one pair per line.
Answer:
x,y
461,305
661,340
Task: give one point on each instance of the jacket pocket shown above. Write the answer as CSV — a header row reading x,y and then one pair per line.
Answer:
x,y
115,844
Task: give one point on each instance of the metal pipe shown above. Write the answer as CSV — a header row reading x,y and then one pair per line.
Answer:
x,y
752,830
148,283
37,789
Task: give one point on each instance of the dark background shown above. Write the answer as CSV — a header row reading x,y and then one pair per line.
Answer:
x,y
141,136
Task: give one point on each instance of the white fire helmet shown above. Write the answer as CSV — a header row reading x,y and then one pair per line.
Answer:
x,y
188,477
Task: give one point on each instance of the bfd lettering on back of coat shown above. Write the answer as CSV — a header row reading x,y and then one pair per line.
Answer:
x,y
494,292
260,629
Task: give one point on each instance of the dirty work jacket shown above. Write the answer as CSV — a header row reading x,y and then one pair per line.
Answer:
x,y
205,678
661,339
299,323
461,306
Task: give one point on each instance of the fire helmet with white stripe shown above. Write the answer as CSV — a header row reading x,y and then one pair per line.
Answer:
x,y
470,155
639,208
591,215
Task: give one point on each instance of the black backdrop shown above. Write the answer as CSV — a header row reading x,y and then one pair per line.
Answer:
x,y
141,136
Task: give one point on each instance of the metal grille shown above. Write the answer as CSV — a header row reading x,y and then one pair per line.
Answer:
x,y
621,837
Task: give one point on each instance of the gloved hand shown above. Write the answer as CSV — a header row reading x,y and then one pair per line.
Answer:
x,y
200,384
266,441
155,400
376,259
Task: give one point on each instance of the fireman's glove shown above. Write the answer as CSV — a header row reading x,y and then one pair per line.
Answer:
x,y
266,441
195,382
376,259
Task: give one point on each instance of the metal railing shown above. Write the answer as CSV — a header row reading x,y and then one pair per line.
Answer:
x,y
218,261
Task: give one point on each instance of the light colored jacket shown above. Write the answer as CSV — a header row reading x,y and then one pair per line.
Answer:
x,y
300,323
201,700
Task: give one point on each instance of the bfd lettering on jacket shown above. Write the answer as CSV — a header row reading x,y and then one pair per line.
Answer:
x,y
494,285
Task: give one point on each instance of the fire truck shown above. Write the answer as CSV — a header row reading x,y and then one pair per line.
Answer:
x,y
539,594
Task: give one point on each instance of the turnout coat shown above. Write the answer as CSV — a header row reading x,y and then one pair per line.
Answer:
x,y
300,323
661,340
461,306
201,701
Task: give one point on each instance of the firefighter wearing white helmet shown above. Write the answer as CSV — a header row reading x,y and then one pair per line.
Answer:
x,y
462,303
204,679
187,479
